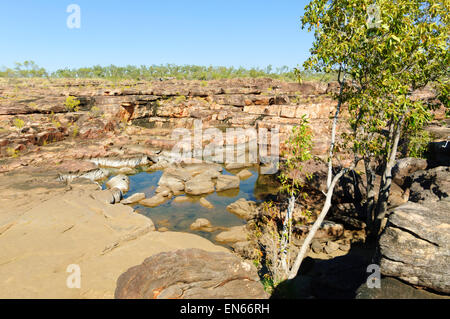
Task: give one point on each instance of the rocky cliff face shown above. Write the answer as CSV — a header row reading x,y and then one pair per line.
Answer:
x,y
415,245
35,112
259,103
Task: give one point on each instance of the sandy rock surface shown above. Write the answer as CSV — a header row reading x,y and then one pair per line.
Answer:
x,y
46,226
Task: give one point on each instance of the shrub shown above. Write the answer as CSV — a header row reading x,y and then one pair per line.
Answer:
x,y
71,104
18,123
418,144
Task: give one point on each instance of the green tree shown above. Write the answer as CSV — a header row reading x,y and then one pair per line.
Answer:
x,y
380,62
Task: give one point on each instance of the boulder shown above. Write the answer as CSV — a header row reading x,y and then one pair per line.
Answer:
x,y
190,274
154,201
172,182
225,182
198,168
316,246
178,173
430,185
162,189
246,249
127,171
233,235
202,224
199,185
415,244
181,199
243,208
236,165
133,198
208,173
121,182
244,174
327,229
108,196
205,203
331,247
405,167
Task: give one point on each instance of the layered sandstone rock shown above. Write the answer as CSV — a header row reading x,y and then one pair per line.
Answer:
x,y
415,245
191,274
46,227
243,208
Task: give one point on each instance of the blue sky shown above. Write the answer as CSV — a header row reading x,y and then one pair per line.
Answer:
x,y
231,33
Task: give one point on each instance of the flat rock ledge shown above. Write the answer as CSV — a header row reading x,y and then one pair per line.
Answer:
x,y
415,245
191,274
43,230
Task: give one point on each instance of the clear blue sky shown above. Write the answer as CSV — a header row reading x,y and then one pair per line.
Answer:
x,y
204,32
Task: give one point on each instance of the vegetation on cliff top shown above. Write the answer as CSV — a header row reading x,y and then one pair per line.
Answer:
x,y
30,69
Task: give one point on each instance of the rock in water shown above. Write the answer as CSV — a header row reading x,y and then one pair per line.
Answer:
x,y
244,174
181,199
133,198
199,185
243,208
172,181
225,182
415,245
233,235
121,182
191,274
127,171
205,203
154,201
202,224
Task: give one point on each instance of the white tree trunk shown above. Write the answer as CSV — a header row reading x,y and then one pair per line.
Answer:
x,y
317,223
385,185
285,237
333,134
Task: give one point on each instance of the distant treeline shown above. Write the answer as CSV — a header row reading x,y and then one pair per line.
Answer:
x,y
29,69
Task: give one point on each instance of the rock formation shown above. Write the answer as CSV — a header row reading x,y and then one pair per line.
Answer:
x,y
191,274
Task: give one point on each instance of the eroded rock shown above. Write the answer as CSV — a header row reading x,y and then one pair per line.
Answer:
x,y
405,167
244,174
121,182
202,224
430,185
233,235
225,182
199,185
155,200
108,196
415,245
133,198
243,208
205,203
190,274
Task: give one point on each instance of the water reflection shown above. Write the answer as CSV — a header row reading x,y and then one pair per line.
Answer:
x,y
178,216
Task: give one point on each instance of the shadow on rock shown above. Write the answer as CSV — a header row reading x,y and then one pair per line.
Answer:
x,y
336,278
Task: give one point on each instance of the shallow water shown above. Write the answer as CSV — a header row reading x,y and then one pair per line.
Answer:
x,y
179,216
